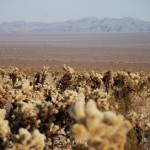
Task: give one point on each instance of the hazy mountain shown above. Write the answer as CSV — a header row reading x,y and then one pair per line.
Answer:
x,y
86,25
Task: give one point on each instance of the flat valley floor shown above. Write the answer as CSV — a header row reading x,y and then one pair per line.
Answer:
x,y
129,52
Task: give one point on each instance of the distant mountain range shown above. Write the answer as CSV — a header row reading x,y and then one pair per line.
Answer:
x,y
86,25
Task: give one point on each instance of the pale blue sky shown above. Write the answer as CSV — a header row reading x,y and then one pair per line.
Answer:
x,y
60,10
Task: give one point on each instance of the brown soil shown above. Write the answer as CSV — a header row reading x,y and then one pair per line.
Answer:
x,y
130,52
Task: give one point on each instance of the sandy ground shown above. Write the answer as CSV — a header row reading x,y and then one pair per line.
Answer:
x,y
130,52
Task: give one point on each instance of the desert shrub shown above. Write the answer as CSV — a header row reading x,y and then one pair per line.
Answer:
x,y
99,130
38,103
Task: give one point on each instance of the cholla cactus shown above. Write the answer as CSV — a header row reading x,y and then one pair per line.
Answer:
x,y
40,77
16,75
30,115
101,98
70,97
26,115
4,127
68,69
41,101
26,141
2,72
100,130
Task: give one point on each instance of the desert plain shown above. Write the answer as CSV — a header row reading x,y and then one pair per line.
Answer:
x,y
128,52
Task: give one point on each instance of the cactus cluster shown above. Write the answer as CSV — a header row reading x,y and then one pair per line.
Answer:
x,y
70,110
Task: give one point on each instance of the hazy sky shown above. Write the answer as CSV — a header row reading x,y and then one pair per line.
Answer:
x,y
60,10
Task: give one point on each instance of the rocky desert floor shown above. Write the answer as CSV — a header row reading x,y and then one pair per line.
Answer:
x,y
129,52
